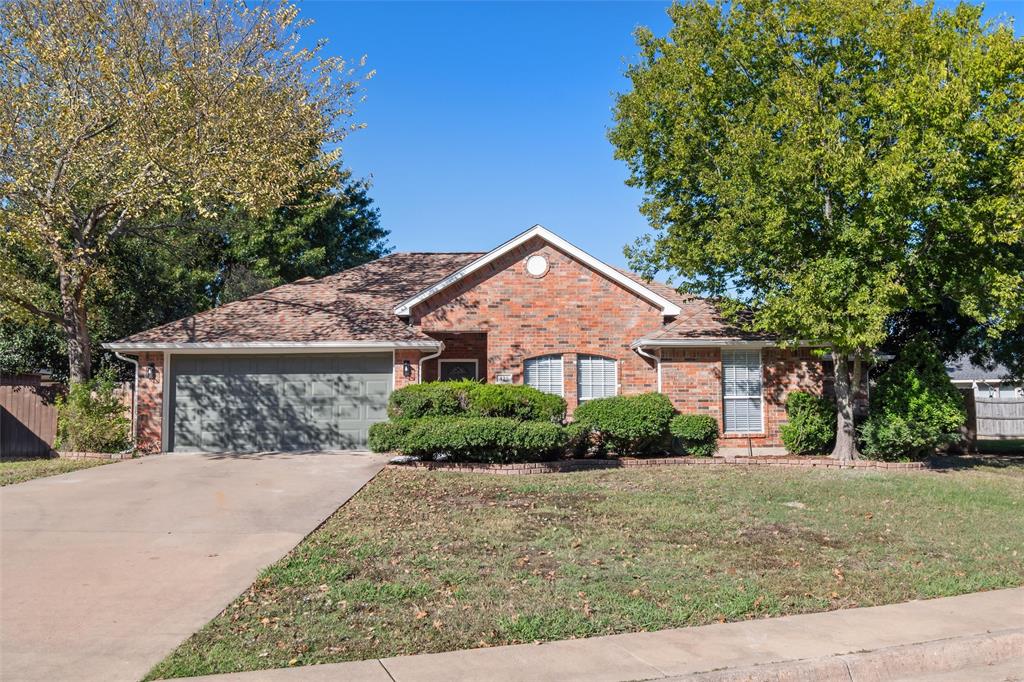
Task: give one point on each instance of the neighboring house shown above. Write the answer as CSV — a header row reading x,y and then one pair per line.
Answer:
x,y
994,401
985,383
309,365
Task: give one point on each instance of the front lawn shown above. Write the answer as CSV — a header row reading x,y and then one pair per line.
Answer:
x,y
19,470
424,562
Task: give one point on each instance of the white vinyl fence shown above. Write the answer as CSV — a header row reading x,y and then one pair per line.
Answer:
x,y
999,417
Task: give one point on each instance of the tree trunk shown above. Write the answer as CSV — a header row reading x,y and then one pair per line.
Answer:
x,y
76,331
846,437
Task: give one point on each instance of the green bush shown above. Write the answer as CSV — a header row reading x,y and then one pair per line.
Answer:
x,y
697,433
91,417
515,402
811,424
435,399
471,398
627,425
471,439
389,436
914,407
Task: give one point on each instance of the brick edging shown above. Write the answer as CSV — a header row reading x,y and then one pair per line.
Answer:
x,y
562,466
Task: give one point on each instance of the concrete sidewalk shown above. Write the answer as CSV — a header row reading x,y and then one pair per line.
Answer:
x,y
972,637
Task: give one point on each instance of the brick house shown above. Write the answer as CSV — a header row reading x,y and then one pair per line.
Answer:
x,y
309,365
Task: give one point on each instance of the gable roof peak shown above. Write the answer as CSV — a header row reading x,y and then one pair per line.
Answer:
x,y
668,307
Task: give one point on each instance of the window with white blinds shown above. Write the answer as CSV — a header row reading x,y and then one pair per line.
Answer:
x,y
741,390
596,377
545,374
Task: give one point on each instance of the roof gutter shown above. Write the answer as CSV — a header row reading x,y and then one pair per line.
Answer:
x,y
419,377
135,396
657,362
704,343
270,346
700,343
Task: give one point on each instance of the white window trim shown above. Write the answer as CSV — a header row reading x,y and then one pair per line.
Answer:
x,y
476,366
760,359
561,357
615,364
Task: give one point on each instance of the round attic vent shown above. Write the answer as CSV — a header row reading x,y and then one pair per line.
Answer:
x,y
537,266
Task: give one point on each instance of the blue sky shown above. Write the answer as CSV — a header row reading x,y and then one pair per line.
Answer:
x,y
486,118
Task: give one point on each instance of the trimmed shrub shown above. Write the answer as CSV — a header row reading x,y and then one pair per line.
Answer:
x,y
389,436
472,439
627,425
515,402
914,407
434,399
811,424
471,398
91,417
696,433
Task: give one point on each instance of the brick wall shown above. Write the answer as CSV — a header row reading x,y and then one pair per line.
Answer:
x,y
786,371
460,346
150,402
413,356
692,377
569,310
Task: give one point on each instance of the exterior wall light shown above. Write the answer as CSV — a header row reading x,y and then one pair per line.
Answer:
x,y
406,369
151,371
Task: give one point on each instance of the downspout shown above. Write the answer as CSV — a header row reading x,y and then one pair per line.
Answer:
x,y
135,397
657,362
419,377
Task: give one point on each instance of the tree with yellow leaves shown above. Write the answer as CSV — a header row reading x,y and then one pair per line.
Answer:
x,y
136,116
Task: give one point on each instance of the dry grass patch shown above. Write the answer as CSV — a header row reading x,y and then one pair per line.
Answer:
x,y
20,470
424,562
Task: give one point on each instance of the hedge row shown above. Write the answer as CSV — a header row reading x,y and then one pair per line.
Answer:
x,y
471,439
474,399
474,422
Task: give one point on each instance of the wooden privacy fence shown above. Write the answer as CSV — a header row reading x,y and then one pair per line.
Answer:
x,y
28,416
999,417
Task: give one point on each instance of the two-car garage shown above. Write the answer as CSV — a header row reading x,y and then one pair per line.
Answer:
x,y
259,403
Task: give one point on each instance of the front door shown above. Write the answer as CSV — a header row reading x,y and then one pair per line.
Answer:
x,y
457,370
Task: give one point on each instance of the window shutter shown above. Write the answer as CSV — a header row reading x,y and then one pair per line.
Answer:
x,y
596,377
545,374
741,390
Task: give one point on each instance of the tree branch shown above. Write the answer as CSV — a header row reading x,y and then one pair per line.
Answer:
x,y
32,308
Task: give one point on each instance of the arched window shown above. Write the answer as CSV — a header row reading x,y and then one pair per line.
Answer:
x,y
596,377
545,374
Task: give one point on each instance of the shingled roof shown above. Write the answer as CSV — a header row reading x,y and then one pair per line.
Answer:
x,y
699,319
353,305
358,306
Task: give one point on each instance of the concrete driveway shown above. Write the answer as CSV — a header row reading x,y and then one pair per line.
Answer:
x,y
104,571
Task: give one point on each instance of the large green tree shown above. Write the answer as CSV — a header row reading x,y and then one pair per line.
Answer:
x,y
828,164
124,116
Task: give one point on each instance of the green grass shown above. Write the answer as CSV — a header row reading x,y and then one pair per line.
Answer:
x,y
20,470
424,562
